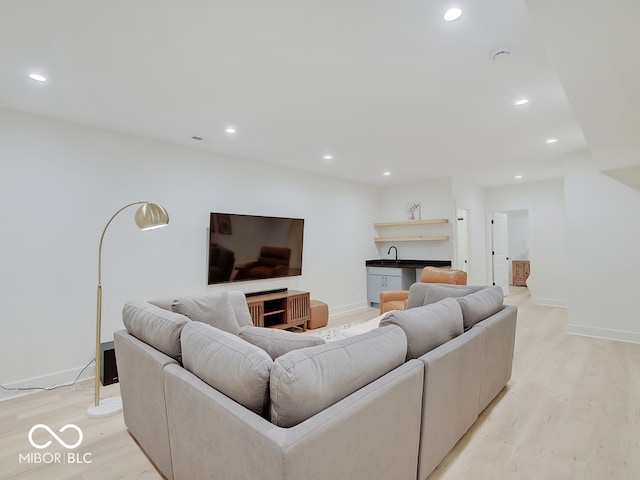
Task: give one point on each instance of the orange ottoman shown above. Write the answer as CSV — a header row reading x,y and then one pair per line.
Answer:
x,y
319,315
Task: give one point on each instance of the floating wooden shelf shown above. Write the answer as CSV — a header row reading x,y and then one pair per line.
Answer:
x,y
412,238
420,238
411,222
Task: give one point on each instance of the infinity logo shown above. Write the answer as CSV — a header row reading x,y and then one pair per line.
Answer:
x,y
57,438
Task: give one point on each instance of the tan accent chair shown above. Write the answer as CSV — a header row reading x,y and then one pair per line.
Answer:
x,y
397,299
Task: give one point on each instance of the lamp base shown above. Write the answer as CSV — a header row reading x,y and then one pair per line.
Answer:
x,y
105,408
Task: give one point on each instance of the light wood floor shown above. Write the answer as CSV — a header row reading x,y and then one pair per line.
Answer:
x,y
571,411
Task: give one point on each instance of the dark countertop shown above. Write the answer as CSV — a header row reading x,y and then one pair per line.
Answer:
x,y
389,262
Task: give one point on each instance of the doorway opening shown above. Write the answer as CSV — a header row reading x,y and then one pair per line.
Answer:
x,y
519,247
510,248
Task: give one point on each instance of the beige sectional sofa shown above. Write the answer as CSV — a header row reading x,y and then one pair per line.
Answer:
x,y
206,397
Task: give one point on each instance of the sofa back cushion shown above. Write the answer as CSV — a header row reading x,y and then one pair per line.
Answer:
x,y
305,382
213,308
427,327
240,308
155,326
237,299
425,293
162,302
232,366
480,305
277,342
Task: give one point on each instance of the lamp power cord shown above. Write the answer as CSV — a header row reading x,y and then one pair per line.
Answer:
x,y
53,387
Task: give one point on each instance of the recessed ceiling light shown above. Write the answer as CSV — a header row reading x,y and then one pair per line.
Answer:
x,y
452,14
518,177
552,140
328,156
387,173
522,101
37,77
230,130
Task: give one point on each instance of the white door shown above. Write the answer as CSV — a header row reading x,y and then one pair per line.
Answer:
x,y
500,250
462,240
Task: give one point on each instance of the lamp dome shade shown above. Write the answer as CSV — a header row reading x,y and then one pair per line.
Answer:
x,y
150,216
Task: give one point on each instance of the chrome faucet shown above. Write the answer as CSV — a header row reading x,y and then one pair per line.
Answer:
x,y
389,251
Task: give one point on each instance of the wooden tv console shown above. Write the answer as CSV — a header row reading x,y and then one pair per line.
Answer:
x,y
285,309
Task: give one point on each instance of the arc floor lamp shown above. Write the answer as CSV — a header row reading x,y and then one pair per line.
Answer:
x,y
148,217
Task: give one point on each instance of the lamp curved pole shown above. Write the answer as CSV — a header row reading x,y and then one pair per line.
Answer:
x,y
93,410
102,239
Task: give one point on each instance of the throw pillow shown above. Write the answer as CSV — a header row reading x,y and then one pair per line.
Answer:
x,y
427,327
305,382
213,308
230,365
437,292
277,342
426,293
480,305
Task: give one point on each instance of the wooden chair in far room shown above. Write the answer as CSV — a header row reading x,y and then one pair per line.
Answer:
x,y
397,299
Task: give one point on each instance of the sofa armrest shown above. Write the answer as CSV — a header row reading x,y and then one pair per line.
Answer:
x,y
398,297
452,378
141,378
223,437
499,343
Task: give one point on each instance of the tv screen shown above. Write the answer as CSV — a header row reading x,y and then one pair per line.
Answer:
x,y
250,247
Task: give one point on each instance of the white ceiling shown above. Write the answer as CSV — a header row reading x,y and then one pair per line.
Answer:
x,y
382,85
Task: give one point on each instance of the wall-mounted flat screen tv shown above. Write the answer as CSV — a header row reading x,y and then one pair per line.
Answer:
x,y
250,247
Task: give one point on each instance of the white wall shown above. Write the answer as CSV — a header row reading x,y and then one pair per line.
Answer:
x,y
544,202
436,200
604,258
518,234
60,183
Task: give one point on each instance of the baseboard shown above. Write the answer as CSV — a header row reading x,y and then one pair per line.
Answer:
x,y
605,333
49,381
348,308
550,302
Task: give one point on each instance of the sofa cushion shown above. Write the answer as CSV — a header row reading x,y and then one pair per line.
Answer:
x,y
425,293
155,326
307,381
162,302
232,366
277,342
213,308
480,305
240,308
427,327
